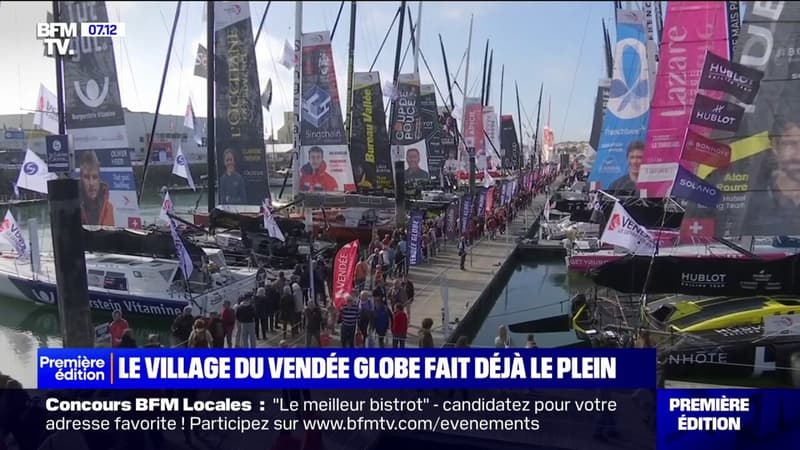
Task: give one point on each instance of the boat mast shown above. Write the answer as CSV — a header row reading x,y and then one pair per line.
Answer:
x,y
211,154
483,81
447,75
536,132
471,153
351,47
502,79
296,99
399,164
519,116
416,38
489,78
158,103
62,126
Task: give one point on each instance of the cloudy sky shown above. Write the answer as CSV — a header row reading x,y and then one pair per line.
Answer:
x,y
555,43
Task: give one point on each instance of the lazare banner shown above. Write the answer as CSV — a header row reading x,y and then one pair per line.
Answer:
x,y
324,158
704,28
344,368
628,107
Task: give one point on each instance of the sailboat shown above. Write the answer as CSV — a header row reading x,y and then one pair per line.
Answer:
x,y
139,272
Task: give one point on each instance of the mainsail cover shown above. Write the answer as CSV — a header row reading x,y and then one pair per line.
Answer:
x,y
241,153
691,29
700,276
761,186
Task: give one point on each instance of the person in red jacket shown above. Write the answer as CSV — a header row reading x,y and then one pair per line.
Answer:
x,y
399,327
117,328
314,175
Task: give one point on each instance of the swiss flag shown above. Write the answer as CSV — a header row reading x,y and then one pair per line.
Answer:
x,y
134,223
697,229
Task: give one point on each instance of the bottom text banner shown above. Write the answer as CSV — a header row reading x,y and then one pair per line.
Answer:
x,y
732,419
387,419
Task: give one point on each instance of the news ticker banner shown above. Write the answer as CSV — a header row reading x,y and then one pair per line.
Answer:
x,y
344,369
733,419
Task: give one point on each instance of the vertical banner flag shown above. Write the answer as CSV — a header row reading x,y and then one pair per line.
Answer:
x,y
181,168
270,224
166,209
408,143
344,266
616,165
187,267
451,218
12,233
682,59
415,237
432,131
96,122
509,145
466,212
621,230
490,200
33,175
491,129
46,115
369,140
481,203
473,132
190,122
600,102
324,156
201,60
241,154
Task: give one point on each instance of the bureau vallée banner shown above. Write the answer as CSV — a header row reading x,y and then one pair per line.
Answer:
x,y
432,131
241,156
761,185
408,140
96,121
627,110
324,157
369,140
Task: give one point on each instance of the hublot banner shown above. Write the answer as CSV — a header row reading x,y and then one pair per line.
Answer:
x,y
716,114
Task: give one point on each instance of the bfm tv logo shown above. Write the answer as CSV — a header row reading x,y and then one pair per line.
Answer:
x,y
56,37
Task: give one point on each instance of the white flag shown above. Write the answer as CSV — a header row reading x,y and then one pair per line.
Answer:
x,y
270,224
46,115
181,168
34,175
488,181
166,207
183,255
287,58
11,232
188,118
621,230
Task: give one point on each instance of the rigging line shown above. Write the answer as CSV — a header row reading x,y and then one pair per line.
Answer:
x,y
336,22
577,67
396,15
402,61
261,25
133,78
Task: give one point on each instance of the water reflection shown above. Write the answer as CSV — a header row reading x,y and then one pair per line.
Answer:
x,y
538,288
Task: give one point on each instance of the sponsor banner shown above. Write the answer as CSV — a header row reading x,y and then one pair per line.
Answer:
x,y
720,74
481,203
33,174
369,140
712,276
408,142
107,188
466,212
184,259
490,199
623,231
11,232
681,62
241,156
344,267
473,132
734,24
600,102
716,114
415,237
94,115
58,156
699,149
492,144
46,115
181,168
628,107
688,186
432,131
451,219
509,145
